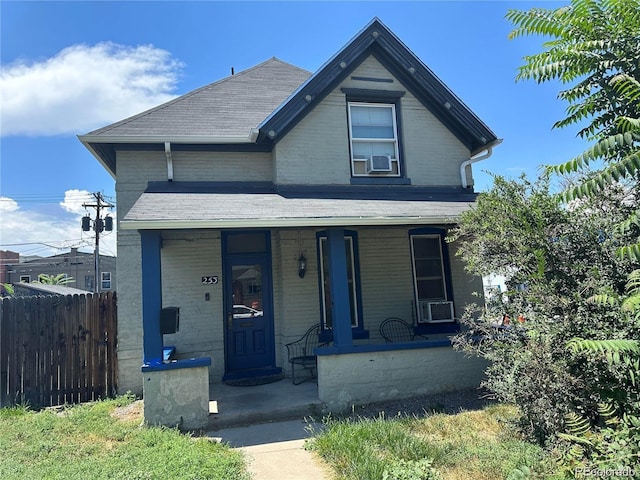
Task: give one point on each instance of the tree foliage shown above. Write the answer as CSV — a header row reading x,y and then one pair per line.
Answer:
x,y
577,350
60,279
557,261
7,290
594,46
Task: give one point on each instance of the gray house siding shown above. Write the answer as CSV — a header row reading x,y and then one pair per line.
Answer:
x,y
316,150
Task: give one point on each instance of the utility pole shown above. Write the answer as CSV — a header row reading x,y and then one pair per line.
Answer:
x,y
99,225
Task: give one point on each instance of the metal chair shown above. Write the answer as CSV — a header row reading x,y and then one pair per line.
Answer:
x,y
395,329
301,353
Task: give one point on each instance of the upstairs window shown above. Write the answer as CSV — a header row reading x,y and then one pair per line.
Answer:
x,y
374,139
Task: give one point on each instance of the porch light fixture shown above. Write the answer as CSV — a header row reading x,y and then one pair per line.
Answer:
x,y
302,266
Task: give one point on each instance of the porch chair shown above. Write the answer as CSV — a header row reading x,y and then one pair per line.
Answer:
x,y
394,329
300,352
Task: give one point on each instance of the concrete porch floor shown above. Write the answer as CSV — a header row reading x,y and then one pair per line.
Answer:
x,y
236,406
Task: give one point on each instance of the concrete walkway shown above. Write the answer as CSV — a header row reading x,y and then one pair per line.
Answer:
x,y
275,451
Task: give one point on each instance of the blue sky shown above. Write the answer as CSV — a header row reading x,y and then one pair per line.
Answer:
x,y
71,67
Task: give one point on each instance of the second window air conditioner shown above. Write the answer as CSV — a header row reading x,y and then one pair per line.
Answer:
x,y
436,312
379,163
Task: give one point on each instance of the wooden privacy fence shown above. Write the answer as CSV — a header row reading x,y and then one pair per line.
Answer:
x,y
57,349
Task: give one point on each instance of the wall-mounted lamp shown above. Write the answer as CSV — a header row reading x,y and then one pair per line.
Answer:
x,y
302,266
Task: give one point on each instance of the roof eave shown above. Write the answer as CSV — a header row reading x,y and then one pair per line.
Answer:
x,y
313,222
90,140
103,161
188,139
377,39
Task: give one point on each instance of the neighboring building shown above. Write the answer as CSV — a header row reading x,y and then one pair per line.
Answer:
x,y
35,289
312,198
7,260
78,265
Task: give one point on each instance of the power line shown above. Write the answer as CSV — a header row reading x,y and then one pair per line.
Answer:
x,y
41,243
50,198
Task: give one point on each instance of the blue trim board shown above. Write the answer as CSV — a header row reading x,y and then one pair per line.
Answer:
x,y
358,332
339,291
381,180
177,364
361,188
150,244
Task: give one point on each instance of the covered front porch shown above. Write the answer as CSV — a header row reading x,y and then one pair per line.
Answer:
x,y
355,278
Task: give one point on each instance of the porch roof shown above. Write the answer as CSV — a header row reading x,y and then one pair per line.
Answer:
x,y
263,208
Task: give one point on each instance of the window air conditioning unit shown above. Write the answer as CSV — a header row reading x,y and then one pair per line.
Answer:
x,y
379,163
436,312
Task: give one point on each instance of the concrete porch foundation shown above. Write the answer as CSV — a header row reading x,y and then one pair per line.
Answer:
x,y
177,394
377,373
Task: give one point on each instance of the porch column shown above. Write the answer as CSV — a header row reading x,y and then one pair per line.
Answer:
x,y
339,291
151,297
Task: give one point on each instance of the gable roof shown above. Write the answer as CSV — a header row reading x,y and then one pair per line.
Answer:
x,y
377,40
260,105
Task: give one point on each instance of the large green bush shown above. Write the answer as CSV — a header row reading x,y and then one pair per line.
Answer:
x,y
556,259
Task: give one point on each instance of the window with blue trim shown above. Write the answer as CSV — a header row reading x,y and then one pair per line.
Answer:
x,y
375,136
353,282
431,276
374,139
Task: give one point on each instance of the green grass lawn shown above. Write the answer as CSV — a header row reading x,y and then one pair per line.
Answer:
x,y
105,440
478,445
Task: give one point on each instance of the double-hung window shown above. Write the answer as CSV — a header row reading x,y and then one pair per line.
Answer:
x,y
106,281
432,284
373,133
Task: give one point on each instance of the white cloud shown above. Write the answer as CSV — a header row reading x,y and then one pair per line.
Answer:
x,y
83,87
32,232
7,204
75,199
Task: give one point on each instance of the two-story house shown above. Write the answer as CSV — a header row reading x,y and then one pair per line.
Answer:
x,y
276,199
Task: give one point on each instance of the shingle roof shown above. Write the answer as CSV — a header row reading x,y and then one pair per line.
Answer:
x,y
258,106
230,107
177,207
211,210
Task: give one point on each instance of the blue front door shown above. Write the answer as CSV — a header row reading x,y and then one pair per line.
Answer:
x,y
249,337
